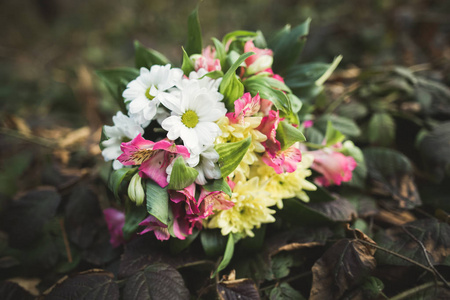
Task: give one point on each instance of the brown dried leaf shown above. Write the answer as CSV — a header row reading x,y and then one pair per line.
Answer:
x,y
395,218
342,267
242,289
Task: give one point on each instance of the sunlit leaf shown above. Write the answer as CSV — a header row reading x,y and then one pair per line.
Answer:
x,y
229,250
187,66
288,135
231,154
157,201
182,175
194,43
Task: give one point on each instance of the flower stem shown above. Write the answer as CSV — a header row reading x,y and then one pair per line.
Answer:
x,y
408,293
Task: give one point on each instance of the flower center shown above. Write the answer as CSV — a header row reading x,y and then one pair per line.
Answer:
x,y
147,94
189,118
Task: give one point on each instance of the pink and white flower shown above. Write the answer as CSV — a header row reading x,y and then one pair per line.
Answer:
x,y
152,157
260,61
213,201
245,106
334,166
115,219
159,228
283,161
207,60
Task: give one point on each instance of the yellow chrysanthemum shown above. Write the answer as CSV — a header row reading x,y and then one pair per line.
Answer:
x,y
234,132
286,185
250,210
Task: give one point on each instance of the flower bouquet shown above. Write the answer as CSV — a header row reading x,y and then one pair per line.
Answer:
x,y
219,143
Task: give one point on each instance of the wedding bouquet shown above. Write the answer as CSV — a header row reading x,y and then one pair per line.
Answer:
x,y
218,142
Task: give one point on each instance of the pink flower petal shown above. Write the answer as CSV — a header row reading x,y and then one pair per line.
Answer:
x,y
115,219
155,168
335,167
250,47
268,127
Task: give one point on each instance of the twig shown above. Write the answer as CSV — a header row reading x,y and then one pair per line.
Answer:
x,y
425,252
333,105
32,139
408,293
66,241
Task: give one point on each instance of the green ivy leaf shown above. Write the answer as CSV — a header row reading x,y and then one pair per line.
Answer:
x,y
287,46
218,185
117,177
116,80
145,58
288,135
231,154
381,129
182,175
157,201
133,216
187,65
229,250
194,43
231,87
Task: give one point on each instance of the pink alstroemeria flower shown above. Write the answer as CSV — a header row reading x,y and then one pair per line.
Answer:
x,y
261,60
268,127
210,201
273,75
245,106
283,161
183,224
153,157
115,219
159,229
186,196
308,123
334,166
207,60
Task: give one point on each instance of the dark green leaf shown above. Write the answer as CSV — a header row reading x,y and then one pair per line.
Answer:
x,y
353,110
434,235
25,218
116,80
281,264
346,126
285,292
314,135
359,176
213,242
157,201
116,178
342,267
133,216
218,185
145,58
194,43
229,250
372,287
231,87
182,176
263,86
238,33
391,175
381,129
220,52
288,45
177,245
332,135
231,154
93,285
288,135
187,65
157,281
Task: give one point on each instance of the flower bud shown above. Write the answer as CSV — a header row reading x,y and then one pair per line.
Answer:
x,y
135,190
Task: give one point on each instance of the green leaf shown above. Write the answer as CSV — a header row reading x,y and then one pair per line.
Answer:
x,y
288,135
346,126
391,175
353,110
213,242
187,65
218,185
231,154
182,176
333,136
93,284
116,80
288,45
314,135
194,43
157,281
381,129
157,201
238,33
117,177
372,287
231,87
213,75
281,264
229,249
177,245
221,53
321,80
133,216
145,58
285,292
263,86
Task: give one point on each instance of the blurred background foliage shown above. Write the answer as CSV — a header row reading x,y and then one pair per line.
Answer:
x,y
50,49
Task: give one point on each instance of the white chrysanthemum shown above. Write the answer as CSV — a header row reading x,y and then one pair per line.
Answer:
x,y
193,113
125,129
205,164
206,82
143,94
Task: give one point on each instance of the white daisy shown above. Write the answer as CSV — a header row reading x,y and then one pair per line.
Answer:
x,y
193,114
143,94
124,129
206,82
205,164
